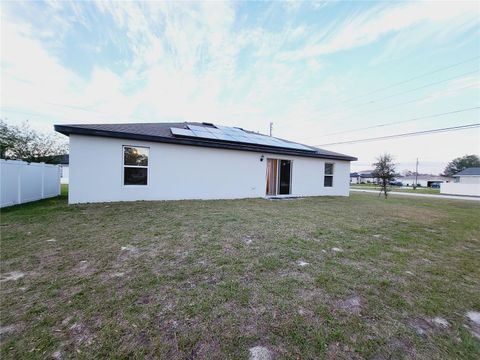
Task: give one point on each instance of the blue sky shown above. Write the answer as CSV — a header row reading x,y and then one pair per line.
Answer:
x,y
312,68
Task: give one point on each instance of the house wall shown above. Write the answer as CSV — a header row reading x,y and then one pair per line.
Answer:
x,y
460,189
469,179
187,172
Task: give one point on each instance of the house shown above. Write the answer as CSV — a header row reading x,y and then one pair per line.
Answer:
x,y
171,161
354,178
423,180
363,177
465,182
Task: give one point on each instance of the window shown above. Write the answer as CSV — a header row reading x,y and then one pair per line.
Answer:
x,y
328,178
135,165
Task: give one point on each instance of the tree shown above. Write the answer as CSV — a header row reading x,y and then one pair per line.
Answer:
x,y
461,163
24,143
384,170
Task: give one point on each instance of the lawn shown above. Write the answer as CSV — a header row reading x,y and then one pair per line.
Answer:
x,y
335,278
418,190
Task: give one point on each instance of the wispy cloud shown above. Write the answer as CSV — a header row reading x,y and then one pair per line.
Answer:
x,y
367,26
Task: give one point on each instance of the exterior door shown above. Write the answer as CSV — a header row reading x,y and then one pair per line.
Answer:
x,y
272,172
285,177
279,177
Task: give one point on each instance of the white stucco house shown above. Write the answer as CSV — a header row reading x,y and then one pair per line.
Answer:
x,y
423,180
173,161
465,182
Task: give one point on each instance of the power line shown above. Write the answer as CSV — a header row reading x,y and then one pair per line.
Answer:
x,y
381,109
396,94
391,95
411,79
402,121
416,133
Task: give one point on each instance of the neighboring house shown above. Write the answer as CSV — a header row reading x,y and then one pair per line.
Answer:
x,y
363,177
63,160
466,182
354,178
423,180
170,161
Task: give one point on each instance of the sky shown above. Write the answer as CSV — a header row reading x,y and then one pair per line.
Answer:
x,y
319,70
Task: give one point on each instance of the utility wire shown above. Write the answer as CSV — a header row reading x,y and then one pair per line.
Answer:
x,y
400,122
416,133
379,110
410,79
396,94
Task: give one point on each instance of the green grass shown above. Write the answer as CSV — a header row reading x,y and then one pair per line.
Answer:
x,y
211,279
418,190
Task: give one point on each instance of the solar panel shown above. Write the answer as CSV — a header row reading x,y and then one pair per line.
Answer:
x,y
181,132
231,134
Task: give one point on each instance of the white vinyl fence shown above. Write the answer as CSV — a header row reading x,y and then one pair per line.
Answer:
x,y
22,182
460,189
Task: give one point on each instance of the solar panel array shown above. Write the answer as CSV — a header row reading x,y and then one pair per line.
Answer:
x,y
225,133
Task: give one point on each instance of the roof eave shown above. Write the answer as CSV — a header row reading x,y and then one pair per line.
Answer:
x,y
67,130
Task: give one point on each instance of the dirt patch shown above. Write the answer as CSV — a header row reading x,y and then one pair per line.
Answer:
x,y
205,349
424,326
340,351
7,330
130,249
440,322
83,268
352,305
260,353
80,334
396,347
12,276
473,325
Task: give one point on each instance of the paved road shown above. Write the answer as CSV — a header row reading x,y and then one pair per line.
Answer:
x,y
454,197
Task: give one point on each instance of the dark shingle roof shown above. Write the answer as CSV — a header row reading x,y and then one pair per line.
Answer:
x,y
473,171
160,132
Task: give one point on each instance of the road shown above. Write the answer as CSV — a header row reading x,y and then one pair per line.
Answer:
x,y
433,196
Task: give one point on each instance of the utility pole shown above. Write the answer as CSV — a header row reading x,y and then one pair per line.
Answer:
x,y
271,128
416,176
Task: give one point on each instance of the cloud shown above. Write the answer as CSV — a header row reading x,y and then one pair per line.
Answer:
x,y
370,25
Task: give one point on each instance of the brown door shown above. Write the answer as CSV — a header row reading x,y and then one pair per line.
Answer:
x,y
272,169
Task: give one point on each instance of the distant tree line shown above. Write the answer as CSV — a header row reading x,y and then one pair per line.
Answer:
x,y
24,143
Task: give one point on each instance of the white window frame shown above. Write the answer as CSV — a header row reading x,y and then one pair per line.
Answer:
x,y
330,175
134,166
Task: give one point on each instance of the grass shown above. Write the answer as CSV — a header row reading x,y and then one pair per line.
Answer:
x,y
419,190
211,279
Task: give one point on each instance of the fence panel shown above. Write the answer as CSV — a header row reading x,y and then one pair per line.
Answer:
x,y
460,189
22,182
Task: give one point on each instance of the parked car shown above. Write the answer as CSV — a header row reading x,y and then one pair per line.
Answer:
x,y
435,186
395,183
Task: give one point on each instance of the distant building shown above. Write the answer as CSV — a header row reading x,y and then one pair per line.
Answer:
x,y
423,180
363,177
466,182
